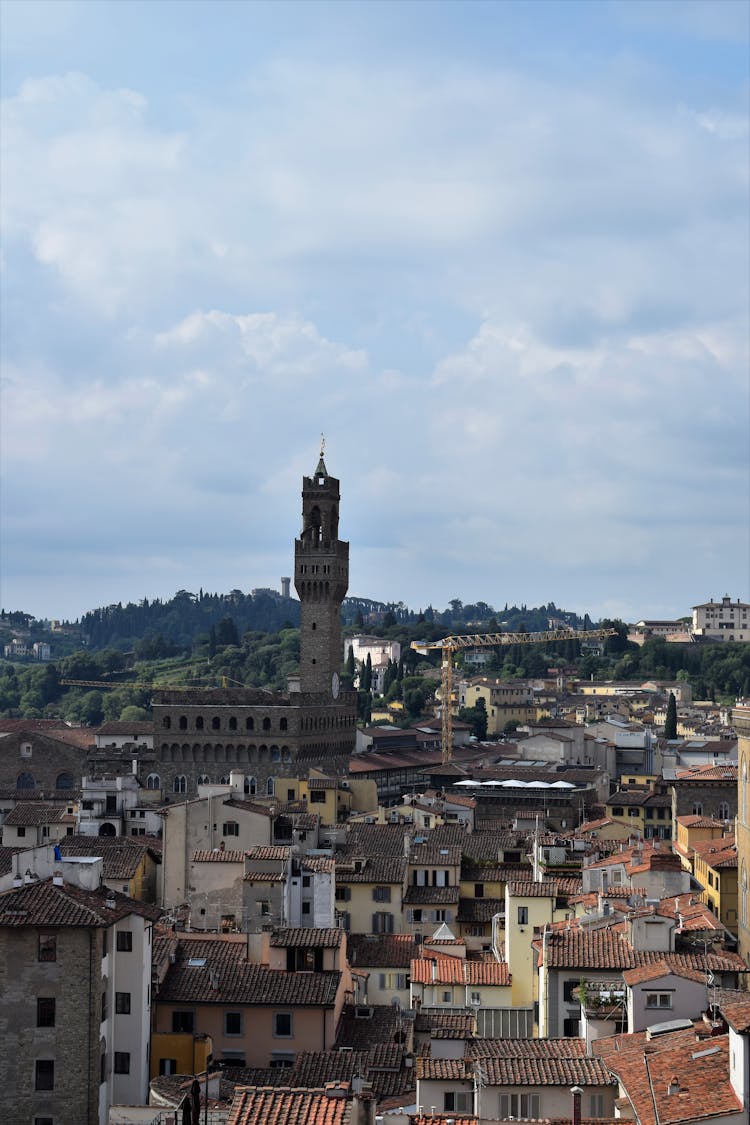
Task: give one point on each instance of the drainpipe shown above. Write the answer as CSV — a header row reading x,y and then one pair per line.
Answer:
x,y
544,1007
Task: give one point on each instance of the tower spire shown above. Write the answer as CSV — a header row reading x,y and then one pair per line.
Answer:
x,y
321,470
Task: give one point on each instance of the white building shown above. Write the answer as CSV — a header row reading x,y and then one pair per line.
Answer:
x,y
722,621
380,651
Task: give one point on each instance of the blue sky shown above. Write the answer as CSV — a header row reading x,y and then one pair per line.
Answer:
x,y
497,252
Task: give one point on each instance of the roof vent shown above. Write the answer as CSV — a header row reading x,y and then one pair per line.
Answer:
x,y
674,1086
110,901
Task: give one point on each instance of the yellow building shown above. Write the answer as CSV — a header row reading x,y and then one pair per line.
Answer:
x,y
741,724
692,830
504,703
529,907
333,799
369,894
715,868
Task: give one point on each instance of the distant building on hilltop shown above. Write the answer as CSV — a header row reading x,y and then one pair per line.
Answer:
x,y
722,621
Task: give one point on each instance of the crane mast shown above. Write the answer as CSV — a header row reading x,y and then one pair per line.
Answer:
x,y
449,645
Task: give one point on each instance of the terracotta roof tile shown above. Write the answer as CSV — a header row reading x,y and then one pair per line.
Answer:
x,y
281,1106
644,973
604,949
216,972
45,903
440,896
304,938
457,970
217,855
381,951
735,1008
30,813
647,1067
122,856
552,1070
527,1048
276,852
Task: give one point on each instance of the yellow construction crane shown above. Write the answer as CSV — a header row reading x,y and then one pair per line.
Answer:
x,y
449,645
148,685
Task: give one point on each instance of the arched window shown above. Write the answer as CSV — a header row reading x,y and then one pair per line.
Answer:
x,y
249,723
183,722
180,783
283,724
204,779
270,786
153,781
108,829
166,722
216,723
697,808
224,780
199,722
251,786
275,754
285,755
65,781
25,780
232,723
723,810
266,723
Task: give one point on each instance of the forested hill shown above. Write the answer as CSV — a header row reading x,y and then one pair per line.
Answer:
x,y
160,628
186,619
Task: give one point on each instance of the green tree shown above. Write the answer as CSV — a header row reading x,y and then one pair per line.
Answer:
x,y
132,714
226,632
670,726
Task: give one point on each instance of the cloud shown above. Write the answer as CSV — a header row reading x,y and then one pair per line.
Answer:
x,y
514,300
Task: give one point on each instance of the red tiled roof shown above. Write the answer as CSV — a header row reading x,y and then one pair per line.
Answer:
x,y
605,949
527,1048
262,1105
735,1008
545,1071
647,1068
304,938
275,852
439,896
457,970
645,973
709,772
117,727
381,951
122,856
697,821
217,855
32,813
44,903
225,977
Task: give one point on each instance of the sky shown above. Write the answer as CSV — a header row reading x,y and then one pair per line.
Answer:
x,y
498,253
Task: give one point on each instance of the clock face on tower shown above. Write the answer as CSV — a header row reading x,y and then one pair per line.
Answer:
x,y
335,685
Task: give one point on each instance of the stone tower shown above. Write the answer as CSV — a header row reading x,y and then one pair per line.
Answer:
x,y
321,578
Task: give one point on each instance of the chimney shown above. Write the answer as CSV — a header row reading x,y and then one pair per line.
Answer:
x,y
576,1093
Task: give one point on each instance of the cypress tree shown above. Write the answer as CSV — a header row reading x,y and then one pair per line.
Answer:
x,y
670,726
